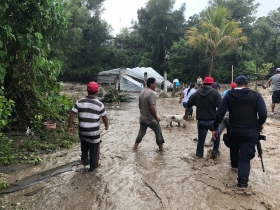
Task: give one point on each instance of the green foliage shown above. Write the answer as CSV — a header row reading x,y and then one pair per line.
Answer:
x,y
66,144
250,69
3,185
6,150
183,63
27,30
6,107
159,25
37,161
82,51
217,34
264,70
112,95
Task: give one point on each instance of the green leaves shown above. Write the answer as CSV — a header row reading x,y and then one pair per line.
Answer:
x,y
217,36
6,107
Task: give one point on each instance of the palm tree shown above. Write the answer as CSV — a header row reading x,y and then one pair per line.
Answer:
x,y
216,35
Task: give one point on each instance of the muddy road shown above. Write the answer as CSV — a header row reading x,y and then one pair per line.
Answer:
x,y
149,179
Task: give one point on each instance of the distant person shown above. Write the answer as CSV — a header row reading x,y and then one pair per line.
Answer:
x,y
186,94
199,81
89,110
247,114
148,114
206,100
216,86
232,86
162,85
276,89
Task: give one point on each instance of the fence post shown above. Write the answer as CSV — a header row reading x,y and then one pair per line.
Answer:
x,y
174,89
145,79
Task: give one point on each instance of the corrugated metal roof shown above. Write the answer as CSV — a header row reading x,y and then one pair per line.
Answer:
x,y
109,72
138,73
129,84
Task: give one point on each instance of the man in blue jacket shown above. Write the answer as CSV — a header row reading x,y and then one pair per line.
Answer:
x,y
247,114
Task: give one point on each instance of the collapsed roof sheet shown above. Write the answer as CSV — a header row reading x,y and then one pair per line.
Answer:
x,y
138,73
129,76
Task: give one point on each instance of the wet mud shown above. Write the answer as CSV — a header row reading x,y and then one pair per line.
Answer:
x,y
147,178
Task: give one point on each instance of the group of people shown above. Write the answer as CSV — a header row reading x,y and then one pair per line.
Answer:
x,y
213,112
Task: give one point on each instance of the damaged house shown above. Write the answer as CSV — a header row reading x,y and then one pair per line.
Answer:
x,y
131,80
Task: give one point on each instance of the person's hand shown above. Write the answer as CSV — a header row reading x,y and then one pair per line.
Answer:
x,y
180,101
185,117
157,119
224,118
70,131
214,135
106,127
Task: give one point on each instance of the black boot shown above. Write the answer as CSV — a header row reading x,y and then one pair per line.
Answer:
x,y
243,183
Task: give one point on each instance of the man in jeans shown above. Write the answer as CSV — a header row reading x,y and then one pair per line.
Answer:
x,y
206,100
148,114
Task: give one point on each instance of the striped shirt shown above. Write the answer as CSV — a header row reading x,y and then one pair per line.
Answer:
x,y
276,81
89,111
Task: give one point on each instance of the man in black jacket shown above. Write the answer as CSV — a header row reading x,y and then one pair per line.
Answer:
x,y
206,100
247,114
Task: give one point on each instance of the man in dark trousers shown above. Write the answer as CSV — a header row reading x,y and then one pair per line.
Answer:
x,y
247,114
89,110
206,100
148,114
276,89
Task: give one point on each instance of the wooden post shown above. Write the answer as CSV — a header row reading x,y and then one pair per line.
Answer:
x,y
174,89
145,79
117,82
165,86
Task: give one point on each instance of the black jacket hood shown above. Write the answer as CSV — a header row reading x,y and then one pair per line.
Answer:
x,y
239,93
205,90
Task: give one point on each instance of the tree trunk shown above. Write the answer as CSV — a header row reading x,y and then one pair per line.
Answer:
x,y
211,65
165,77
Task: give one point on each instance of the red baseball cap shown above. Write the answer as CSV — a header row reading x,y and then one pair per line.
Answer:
x,y
208,80
92,87
233,85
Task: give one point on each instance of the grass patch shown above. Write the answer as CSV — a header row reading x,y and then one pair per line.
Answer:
x,y
24,151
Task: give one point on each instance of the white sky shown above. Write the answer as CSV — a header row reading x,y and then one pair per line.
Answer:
x,y
119,13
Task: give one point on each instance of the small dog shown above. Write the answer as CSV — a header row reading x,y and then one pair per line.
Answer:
x,y
176,118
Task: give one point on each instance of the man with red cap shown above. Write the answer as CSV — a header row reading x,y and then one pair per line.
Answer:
x,y
222,125
89,110
206,100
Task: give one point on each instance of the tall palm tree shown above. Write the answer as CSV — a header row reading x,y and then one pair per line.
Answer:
x,y
216,35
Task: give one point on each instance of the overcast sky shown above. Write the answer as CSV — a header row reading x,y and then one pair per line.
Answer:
x,y
119,13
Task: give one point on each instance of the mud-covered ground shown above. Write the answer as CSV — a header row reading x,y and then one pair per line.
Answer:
x,y
147,178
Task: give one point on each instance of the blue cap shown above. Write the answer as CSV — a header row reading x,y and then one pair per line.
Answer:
x,y
241,78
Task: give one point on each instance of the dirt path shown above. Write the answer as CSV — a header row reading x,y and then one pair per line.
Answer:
x,y
148,179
